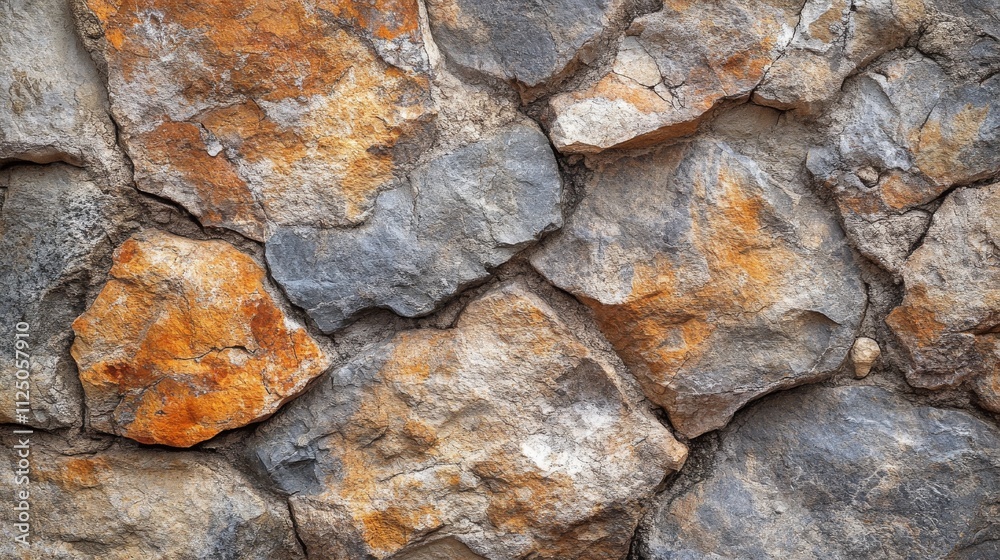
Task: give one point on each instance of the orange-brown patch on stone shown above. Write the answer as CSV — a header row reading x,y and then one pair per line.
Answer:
x,y
189,341
619,88
939,146
391,528
822,27
349,107
73,473
664,325
226,197
916,319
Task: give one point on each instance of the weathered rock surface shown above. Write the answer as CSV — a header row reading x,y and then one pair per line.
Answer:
x,y
849,472
703,53
715,284
258,114
503,437
186,341
52,104
910,128
461,213
56,228
122,505
522,41
950,318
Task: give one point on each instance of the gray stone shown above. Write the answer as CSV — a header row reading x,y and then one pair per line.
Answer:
x,y
907,130
461,213
716,283
525,41
52,104
838,473
57,230
129,504
950,317
503,437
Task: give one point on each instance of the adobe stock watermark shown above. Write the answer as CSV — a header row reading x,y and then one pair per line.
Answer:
x,y
22,449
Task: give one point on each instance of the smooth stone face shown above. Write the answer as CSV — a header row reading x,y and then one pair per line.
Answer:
x,y
949,319
52,104
185,341
255,114
55,228
715,284
905,132
123,505
523,41
503,437
460,214
704,53
849,472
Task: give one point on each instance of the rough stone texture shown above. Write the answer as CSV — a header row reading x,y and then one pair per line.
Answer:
x,y
55,228
949,320
703,52
911,127
530,43
503,437
716,284
257,114
864,354
185,341
851,472
462,212
52,104
123,505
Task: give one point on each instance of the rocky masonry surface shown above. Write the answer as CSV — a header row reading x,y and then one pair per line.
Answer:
x,y
458,279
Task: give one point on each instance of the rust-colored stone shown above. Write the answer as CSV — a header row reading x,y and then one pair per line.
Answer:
x,y
255,114
185,341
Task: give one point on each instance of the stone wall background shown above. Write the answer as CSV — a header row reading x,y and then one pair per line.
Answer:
x,y
462,279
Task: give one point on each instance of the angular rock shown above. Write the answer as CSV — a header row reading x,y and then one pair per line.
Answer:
x,y
905,131
52,104
521,41
57,227
950,317
715,284
704,53
257,114
121,505
461,213
849,472
832,40
185,341
503,437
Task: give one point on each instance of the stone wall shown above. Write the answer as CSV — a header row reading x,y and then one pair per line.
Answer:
x,y
460,279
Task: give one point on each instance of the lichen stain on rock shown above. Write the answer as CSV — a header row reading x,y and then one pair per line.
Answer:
x,y
185,341
285,102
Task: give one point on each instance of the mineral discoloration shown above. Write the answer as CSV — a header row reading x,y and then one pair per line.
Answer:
x,y
504,433
185,341
257,114
709,279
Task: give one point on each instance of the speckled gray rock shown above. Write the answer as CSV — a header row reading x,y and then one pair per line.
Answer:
x,y
52,104
504,437
125,505
950,317
908,129
460,214
839,473
524,41
55,241
716,283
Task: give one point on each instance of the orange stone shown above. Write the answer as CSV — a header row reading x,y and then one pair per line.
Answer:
x,y
256,114
186,341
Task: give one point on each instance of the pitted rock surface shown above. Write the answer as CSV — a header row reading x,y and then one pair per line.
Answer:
x,y
185,341
502,437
